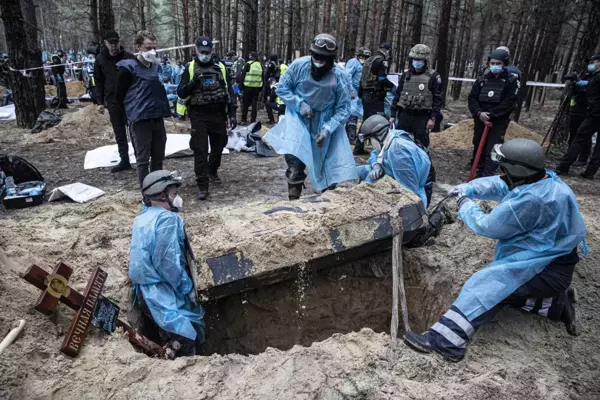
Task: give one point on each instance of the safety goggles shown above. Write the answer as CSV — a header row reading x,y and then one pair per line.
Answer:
x,y
325,43
497,156
174,177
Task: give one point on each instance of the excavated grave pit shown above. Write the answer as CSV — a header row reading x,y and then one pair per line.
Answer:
x,y
286,273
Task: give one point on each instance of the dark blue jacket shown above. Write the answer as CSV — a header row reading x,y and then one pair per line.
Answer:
x,y
140,91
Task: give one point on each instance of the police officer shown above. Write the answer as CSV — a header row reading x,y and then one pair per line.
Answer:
x,y
418,98
271,68
206,89
252,85
577,112
354,67
58,71
374,84
273,102
228,63
492,99
282,68
511,68
589,126
89,75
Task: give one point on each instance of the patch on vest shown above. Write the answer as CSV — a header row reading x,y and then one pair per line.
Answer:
x,y
421,87
491,93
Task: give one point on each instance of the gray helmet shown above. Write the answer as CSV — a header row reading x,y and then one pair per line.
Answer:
x,y
506,49
420,51
324,44
158,181
499,54
520,158
376,126
364,51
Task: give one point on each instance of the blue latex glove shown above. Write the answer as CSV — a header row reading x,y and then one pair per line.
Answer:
x,y
322,136
376,172
581,83
305,110
456,191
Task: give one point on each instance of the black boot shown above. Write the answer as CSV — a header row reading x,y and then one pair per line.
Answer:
x,y
421,343
214,178
122,166
570,316
202,190
359,148
589,173
294,190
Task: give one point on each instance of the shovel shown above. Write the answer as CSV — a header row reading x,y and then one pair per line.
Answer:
x,y
486,130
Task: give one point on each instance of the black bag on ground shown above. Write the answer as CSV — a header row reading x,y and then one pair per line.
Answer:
x,y
21,184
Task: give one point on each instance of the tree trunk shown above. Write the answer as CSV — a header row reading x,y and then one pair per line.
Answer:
x,y
185,11
142,15
591,36
342,26
352,27
327,16
106,16
385,24
94,20
234,25
217,12
442,46
297,29
363,40
20,28
418,21
290,11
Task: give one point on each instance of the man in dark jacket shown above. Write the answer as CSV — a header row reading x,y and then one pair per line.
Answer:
x,y
577,112
140,91
205,89
105,75
589,126
492,99
58,72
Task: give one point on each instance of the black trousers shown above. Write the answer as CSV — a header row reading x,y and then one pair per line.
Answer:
x,y
118,120
486,166
584,134
373,104
61,90
273,106
544,294
250,97
415,122
207,127
149,139
351,127
575,122
296,170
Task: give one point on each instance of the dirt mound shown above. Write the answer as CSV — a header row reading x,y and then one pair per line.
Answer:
x,y
85,123
74,89
460,136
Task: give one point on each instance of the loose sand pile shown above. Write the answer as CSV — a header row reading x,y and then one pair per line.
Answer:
x,y
74,89
460,136
83,124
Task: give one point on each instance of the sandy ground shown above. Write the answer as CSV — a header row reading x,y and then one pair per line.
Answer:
x,y
517,356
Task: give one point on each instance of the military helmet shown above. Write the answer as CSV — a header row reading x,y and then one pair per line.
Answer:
x,y
376,126
420,51
158,181
500,54
324,44
520,158
364,51
506,49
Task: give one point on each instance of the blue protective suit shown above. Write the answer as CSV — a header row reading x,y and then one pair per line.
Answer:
x,y
329,99
406,162
165,71
157,267
534,224
176,74
354,69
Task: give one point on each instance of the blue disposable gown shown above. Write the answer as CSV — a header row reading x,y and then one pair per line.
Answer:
x,y
406,162
354,69
329,99
534,224
157,267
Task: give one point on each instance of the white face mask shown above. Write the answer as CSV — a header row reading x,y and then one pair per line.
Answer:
x,y
376,145
149,56
177,202
318,64
204,58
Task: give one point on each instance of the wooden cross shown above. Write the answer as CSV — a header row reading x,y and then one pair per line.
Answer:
x,y
56,288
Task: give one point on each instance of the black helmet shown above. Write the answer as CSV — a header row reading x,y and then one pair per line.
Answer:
x,y
376,126
501,55
231,53
324,44
520,159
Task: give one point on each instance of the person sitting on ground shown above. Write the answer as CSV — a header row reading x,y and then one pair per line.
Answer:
x,y
538,227
163,290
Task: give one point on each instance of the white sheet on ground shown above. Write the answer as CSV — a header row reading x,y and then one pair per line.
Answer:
x,y
7,113
79,192
178,145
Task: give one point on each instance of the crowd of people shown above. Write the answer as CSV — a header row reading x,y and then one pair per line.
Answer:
x,y
537,222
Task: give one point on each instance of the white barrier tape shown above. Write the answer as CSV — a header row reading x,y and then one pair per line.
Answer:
x,y
529,83
81,62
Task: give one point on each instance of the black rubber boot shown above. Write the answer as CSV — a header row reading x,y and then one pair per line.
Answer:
x,y
570,316
359,148
202,190
421,344
122,166
214,178
580,163
294,190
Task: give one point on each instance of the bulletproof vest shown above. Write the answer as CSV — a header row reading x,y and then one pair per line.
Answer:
x,y
491,89
228,63
368,80
415,92
211,88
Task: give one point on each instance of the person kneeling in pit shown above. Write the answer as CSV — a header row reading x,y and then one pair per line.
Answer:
x,y
538,227
162,288
396,154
